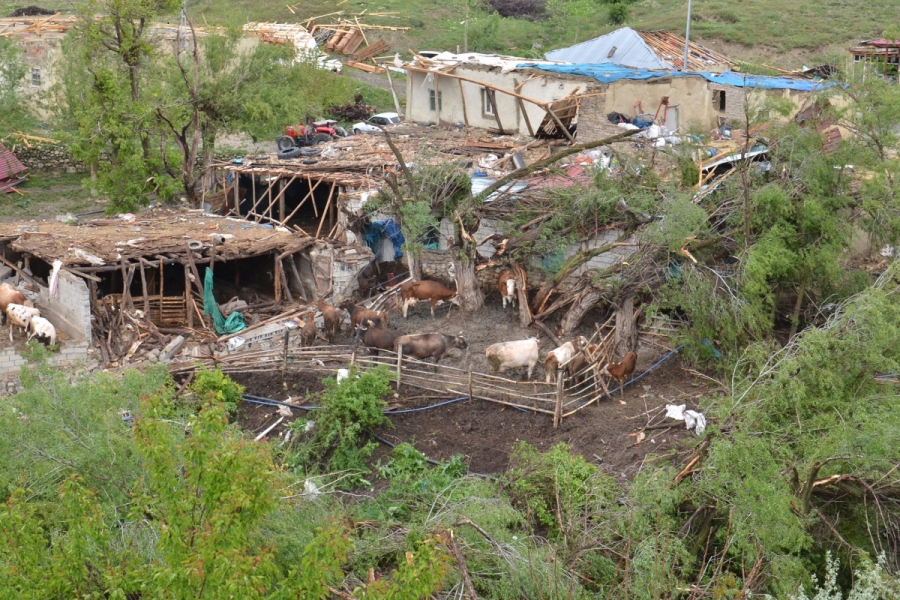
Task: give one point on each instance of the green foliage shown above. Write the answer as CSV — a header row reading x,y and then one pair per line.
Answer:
x,y
871,582
681,219
12,102
55,429
347,411
214,387
555,485
618,13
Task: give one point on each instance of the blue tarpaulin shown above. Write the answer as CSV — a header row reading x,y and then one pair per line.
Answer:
x,y
391,230
609,72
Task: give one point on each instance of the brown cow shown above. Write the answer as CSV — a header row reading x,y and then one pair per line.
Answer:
x,y
9,295
506,283
360,314
428,345
413,291
378,339
308,333
332,318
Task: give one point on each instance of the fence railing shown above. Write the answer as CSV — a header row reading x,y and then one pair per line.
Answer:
x,y
561,399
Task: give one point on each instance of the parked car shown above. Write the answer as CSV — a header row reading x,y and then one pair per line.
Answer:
x,y
369,126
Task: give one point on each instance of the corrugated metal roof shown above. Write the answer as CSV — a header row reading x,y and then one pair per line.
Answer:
x,y
621,47
9,164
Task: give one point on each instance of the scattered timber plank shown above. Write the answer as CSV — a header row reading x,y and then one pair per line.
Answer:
x,y
364,67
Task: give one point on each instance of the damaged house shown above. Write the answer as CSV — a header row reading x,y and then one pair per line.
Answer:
x,y
556,99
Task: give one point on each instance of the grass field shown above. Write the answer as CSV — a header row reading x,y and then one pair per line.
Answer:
x,y
761,30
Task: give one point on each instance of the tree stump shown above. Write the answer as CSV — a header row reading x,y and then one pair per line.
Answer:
x,y
586,300
468,289
626,332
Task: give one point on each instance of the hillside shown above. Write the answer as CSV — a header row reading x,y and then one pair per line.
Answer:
x,y
787,32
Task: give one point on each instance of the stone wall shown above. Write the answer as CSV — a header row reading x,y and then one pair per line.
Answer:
x,y
49,157
70,352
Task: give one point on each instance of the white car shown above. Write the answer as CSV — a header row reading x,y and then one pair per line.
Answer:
x,y
382,119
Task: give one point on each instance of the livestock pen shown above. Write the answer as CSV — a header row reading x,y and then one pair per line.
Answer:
x,y
562,399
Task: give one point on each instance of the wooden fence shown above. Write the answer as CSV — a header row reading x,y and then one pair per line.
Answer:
x,y
562,399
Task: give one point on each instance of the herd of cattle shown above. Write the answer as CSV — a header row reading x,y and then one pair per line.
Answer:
x,y
370,327
21,312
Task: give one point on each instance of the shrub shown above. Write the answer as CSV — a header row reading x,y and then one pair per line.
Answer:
x,y
531,10
618,13
554,485
347,411
215,386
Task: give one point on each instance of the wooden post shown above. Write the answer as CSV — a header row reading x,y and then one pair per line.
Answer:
x,y
391,85
313,198
557,412
437,97
326,211
287,333
302,202
470,383
462,95
144,288
277,281
493,98
124,285
187,297
525,114
237,200
399,359
253,187
284,282
281,190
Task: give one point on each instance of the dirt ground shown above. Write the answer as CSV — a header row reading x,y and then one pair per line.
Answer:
x,y
484,432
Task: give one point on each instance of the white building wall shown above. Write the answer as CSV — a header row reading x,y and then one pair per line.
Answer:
x,y
542,88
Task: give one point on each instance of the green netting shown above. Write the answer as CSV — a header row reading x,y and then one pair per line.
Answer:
x,y
234,322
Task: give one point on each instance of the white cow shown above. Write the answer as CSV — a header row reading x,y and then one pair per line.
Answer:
x,y
512,355
41,327
558,357
20,316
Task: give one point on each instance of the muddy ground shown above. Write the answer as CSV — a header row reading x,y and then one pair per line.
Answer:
x,y
485,433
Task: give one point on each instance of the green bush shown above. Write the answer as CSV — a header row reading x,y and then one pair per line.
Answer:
x,y
554,486
215,386
338,441
618,13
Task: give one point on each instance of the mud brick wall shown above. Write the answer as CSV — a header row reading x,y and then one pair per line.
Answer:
x,y
49,157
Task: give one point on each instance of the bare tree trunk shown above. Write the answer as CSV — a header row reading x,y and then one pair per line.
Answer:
x,y
471,297
586,300
626,332
525,316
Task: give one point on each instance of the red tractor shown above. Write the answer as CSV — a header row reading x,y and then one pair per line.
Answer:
x,y
318,132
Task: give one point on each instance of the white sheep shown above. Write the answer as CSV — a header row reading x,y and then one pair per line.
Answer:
x,y
20,316
41,327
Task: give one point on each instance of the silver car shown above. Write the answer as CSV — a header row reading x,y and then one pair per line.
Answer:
x,y
369,126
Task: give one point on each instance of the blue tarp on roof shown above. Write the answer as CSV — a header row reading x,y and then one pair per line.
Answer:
x,y
609,72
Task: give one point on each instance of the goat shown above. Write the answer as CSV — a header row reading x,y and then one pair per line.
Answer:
x,y
41,328
20,316
308,333
619,371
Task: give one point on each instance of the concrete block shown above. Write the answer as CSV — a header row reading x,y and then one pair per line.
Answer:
x,y
169,351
